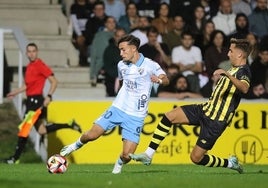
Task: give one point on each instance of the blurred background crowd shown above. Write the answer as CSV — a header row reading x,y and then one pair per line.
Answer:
x,y
188,38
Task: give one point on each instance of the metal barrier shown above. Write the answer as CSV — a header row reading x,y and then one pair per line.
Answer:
x,y
22,42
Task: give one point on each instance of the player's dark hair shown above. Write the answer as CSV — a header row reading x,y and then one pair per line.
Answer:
x,y
33,45
242,44
131,40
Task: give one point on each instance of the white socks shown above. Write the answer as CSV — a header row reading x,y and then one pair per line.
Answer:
x,y
150,152
78,144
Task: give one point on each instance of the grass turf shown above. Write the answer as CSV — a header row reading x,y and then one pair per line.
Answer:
x,y
132,176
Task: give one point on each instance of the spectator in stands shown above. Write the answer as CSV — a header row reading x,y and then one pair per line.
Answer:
x,y
111,57
147,8
264,41
242,27
211,8
259,67
154,50
198,21
202,41
173,37
252,3
130,21
256,91
96,22
115,8
216,52
172,71
240,6
254,43
91,4
141,31
163,21
99,43
36,75
225,18
189,58
179,89
258,19
80,13
205,5
183,8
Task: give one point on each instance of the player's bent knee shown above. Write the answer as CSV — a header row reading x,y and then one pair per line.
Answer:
x,y
171,115
195,159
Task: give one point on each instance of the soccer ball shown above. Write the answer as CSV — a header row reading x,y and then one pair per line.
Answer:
x,y
57,164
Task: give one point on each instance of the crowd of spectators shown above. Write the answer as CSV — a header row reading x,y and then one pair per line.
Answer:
x,y
192,35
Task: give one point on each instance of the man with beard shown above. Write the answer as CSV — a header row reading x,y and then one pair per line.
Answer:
x,y
242,27
258,20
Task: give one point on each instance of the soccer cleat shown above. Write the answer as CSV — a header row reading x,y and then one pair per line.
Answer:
x,y
235,164
143,158
11,160
75,126
67,150
117,168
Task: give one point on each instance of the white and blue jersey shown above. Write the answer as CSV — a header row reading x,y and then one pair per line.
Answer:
x,y
134,94
130,106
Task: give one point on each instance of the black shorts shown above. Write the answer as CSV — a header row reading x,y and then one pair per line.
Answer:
x,y
210,130
33,103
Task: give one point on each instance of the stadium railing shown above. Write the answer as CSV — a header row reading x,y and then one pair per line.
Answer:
x,y
22,42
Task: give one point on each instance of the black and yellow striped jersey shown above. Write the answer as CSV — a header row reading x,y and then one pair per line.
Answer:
x,y
226,97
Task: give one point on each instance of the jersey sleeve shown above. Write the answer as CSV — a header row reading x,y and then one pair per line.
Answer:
x,y
244,74
45,69
157,69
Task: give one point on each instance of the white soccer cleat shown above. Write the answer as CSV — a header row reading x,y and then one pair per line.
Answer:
x,y
142,157
67,150
235,164
117,168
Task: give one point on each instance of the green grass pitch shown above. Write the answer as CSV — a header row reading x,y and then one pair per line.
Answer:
x,y
132,176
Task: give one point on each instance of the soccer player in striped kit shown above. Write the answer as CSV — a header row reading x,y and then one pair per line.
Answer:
x,y
212,116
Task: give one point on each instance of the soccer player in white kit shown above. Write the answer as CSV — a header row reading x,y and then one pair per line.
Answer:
x,y
130,107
